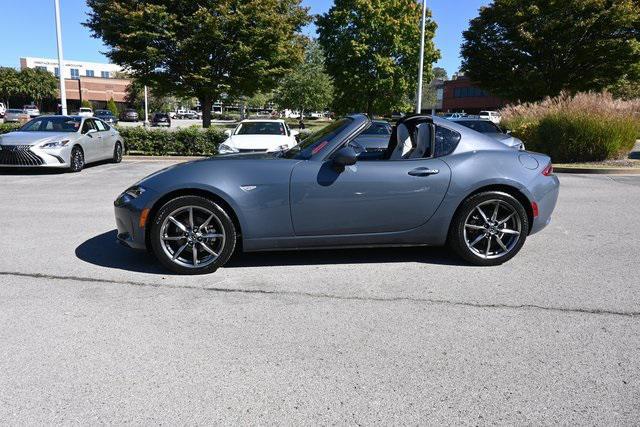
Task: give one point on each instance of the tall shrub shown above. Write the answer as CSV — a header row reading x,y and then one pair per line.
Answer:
x,y
580,128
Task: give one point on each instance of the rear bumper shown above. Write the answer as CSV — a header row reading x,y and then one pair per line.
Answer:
x,y
545,191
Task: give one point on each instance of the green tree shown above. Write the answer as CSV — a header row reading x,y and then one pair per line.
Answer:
x,y
371,49
528,49
37,85
202,49
111,106
308,87
86,104
9,83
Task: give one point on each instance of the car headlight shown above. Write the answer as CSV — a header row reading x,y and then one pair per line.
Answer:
x,y
135,191
57,144
227,149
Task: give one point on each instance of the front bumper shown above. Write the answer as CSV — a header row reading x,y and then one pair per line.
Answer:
x,y
127,213
24,156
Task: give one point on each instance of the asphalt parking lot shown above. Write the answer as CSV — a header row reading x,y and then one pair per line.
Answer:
x,y
92,332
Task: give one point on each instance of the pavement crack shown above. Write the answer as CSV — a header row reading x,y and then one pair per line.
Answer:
x,y
436,301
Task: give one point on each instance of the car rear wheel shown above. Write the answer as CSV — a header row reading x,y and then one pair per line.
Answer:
x,y
192,235
117,153
76,160
489,229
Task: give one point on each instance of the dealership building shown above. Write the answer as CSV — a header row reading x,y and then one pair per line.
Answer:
x,y
85,81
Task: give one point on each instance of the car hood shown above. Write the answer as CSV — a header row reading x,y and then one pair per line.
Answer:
x,y
507,140
33,138
257,142
220,169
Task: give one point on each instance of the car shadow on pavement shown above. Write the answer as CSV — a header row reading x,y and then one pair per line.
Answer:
x,y
105,251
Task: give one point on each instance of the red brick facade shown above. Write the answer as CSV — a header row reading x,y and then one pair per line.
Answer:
x,y
461,95
96,89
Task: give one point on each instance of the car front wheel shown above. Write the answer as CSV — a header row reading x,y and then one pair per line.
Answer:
x,y
489,229
76,160
192,235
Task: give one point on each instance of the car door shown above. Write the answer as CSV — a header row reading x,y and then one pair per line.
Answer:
x,y
90,140
105,140
376,196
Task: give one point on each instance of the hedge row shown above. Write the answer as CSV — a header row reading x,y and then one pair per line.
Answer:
x,y
191,141
582,128
8,127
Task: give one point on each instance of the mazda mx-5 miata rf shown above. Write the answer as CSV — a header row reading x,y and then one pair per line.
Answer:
x,y
436,183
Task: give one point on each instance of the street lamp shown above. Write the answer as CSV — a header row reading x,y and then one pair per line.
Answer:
x,y
421,67
63,94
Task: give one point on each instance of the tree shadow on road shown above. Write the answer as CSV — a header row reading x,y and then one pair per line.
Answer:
x,y
105,251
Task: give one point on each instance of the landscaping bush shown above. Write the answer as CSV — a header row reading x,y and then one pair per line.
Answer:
x,y
581,128
191,141
8,127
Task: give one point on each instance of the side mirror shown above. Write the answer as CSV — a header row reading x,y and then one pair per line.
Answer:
x,y
507,131
228,132
346,156
90,131
294,132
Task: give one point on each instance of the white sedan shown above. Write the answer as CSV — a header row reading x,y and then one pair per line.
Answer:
x,y
255,136
60,142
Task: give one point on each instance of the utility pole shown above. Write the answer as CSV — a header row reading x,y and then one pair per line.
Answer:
x,y
63,93
421,68
146,107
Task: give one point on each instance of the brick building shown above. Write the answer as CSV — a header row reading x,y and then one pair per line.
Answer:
x,y
90,81
460,95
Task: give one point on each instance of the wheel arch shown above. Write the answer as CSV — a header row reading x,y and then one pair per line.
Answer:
x,y
504,188
192,192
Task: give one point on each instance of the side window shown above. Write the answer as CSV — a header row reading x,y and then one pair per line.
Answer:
x,y
100,125
446,141
88,125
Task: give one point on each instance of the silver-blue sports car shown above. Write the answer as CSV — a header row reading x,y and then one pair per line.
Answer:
x,y
436,183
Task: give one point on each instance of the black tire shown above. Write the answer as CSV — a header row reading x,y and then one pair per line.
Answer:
x,y
469,226
76,160
117,152
221,224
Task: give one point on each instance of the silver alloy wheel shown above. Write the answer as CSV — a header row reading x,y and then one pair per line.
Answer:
x,y
492,229
77,159
192,236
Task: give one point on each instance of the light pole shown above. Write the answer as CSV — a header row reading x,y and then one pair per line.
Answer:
x,y
146,107
63,94
421,67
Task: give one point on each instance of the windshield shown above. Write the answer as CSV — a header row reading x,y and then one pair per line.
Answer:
x,y
52,124
315,142
15,111
480,126
261,128
103,113
85,109
378,128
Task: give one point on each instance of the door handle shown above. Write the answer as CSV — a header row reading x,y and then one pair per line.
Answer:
x,y
423,172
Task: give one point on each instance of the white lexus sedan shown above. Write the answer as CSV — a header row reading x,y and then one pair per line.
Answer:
x,y
259,136
60,142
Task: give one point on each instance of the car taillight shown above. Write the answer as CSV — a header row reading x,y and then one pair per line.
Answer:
x,y
548,170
